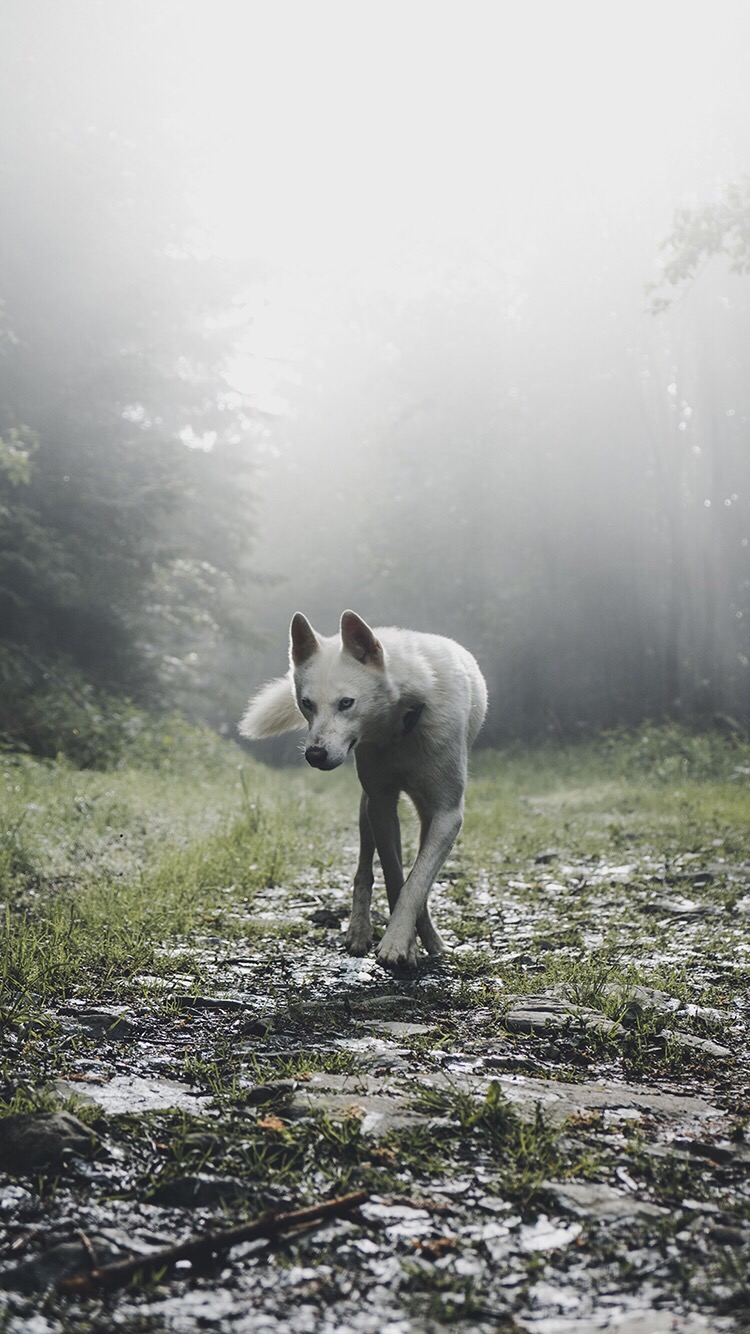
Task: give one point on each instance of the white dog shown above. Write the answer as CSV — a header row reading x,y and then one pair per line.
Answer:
x,y
409,705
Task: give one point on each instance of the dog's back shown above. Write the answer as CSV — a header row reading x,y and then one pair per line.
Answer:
x,y
456,691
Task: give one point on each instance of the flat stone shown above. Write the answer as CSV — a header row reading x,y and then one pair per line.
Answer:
x,y
42,1271
645,998
684,909
694,1043
559,1100
42,1141
550,1014
200,1191
276,1090
135,1093
379,1111
328,917
591,1199
105,1021
209,1003
628,1315
398,1028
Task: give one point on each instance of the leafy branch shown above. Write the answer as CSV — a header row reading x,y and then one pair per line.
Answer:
x,y
698,235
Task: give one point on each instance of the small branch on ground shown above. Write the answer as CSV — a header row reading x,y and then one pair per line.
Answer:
x,y
201,1247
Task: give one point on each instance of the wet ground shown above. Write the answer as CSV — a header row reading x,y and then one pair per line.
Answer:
x,y
548,1142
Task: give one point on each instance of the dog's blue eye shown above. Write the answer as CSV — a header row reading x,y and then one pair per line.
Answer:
x,y
307,704
345,704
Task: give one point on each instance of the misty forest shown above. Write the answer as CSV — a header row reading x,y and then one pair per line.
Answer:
x,y
439,311
469,357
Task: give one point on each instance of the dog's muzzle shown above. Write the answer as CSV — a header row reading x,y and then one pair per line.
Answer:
x,y
317,756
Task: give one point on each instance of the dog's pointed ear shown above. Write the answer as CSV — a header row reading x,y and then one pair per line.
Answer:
x,y
303,640
358,639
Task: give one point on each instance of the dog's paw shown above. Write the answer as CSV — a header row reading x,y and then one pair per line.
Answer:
x,y
433,943
359,939
399,953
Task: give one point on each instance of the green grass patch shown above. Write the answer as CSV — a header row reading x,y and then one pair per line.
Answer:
x,y
114,881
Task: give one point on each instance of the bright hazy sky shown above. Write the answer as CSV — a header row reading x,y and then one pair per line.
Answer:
x,y
363,140
338,128
371,144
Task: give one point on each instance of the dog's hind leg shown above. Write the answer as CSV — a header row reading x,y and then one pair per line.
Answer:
x,y
359,935
427,931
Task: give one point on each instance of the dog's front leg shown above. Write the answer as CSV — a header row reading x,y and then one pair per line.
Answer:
x,y
359,935
398,948
382,813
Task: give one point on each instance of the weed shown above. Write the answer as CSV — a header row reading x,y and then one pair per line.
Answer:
x,y
526,1151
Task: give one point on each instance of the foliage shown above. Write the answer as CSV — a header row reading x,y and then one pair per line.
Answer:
x,y
701,233
125,538
52,710
672,752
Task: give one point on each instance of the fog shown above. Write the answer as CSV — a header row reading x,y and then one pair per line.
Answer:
x,y
310,306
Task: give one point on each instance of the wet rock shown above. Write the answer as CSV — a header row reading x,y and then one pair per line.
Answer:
x,y
199,1191
398,1028
729,1236
42,1271
549,1014
716,1153
692,1042
330,917
208,1003
546,1234
684,909
44,1141
275,1090
544,858
102,1021
257,1026
379,1111
135,1093
587,1199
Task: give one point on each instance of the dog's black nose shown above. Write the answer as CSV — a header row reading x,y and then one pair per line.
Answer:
x,y
316,756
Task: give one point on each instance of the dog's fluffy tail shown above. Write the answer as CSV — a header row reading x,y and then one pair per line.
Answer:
x,y
271,711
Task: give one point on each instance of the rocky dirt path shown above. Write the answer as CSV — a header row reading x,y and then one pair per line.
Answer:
x,y
549,1124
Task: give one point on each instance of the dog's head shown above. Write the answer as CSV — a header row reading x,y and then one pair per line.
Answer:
x,y
341,684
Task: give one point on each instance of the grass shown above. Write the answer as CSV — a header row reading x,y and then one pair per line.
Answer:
x,y
113,882
100,870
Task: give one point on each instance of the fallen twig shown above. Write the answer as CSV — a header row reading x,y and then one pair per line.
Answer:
x,y
204,1244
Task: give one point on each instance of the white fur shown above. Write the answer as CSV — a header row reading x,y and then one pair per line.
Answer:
x,y
410,706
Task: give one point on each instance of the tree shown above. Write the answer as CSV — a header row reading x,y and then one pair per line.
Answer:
x,y
125,484
699,234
